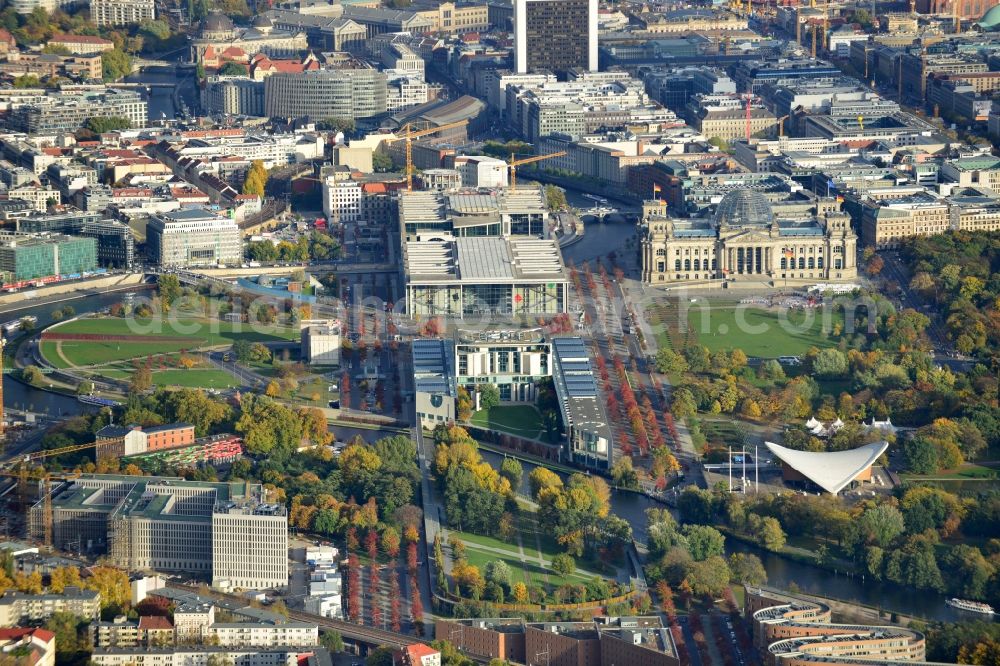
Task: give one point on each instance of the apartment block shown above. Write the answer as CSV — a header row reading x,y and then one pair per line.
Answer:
x,y
122,12
19,608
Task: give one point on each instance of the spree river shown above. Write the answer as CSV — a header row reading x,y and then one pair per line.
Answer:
x,y
631,506
783,572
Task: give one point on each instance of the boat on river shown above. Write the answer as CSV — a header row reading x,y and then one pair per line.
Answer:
x,y
971,606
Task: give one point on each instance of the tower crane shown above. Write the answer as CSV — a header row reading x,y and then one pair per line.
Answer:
x,y
409,133
514,163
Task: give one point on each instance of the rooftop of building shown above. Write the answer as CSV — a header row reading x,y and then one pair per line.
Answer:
x,y
577,630
573,375
483,260
434,366
978,163
12,596
830,470
149,496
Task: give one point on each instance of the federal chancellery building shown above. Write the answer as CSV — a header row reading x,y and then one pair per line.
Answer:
x,y
746,241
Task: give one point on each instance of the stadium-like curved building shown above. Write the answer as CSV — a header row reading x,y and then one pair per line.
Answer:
x,y
790,631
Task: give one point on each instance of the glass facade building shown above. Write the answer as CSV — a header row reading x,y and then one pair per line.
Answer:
x,y
26,257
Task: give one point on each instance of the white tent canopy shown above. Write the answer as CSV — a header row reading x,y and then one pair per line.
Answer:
x,y
830,470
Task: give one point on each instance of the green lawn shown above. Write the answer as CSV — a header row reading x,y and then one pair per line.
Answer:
x,y
523,420
197,331
480,550
95,353
762,333
194,378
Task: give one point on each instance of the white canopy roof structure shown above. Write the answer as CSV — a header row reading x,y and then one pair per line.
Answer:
x,y
830,470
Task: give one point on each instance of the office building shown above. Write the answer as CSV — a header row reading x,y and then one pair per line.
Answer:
x,y
434,387
405,91
521,212
588,432
583,105
983,170
20,608
555,35
58,111
476,276
224,531
513,361
794,631
321,342
193,237
318,94
122,12
889,215
233,96
746,241
25,257
115,241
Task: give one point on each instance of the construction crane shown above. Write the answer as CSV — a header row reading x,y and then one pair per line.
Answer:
x,y
749,116
409,133
514,163
45,488
781,126
826,27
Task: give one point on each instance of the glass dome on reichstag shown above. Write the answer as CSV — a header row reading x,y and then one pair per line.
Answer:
x,y
744,208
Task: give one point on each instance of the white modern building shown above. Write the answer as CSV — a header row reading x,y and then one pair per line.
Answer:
x,y
513,361
482,171
249,545
193,237
321,342
341,200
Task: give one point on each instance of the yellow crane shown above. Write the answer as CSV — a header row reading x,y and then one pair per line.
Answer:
x,y
514,163
45,487
781,126
409,133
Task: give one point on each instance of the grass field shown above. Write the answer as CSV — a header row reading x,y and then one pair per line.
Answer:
x,y
762,333
194,378
538,551
198,332
523,420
